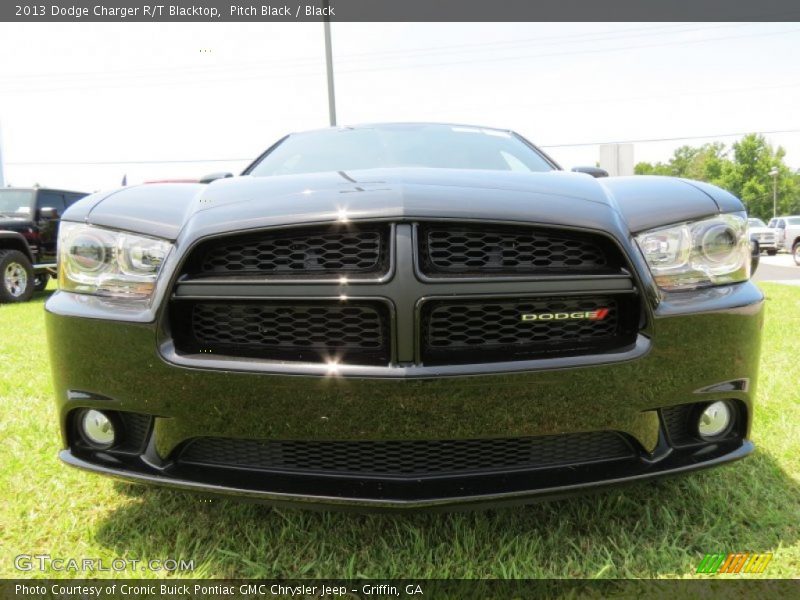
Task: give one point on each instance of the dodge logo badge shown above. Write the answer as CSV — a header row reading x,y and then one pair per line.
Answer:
x,y
583,315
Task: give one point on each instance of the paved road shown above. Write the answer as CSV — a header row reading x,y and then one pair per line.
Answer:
x,y
780,267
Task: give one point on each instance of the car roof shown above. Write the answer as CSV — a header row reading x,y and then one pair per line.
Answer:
x,y
402,124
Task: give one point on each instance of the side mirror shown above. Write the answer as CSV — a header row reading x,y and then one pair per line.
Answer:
x,y
593,171
214,176
755,256
48,212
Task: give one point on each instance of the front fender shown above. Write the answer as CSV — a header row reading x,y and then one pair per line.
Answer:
x,y
13,240
647,202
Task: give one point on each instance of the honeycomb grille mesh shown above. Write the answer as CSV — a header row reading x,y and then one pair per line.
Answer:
x,y
136,427
677,422
498,330
456,331
408,457
465,250
298,253
315,331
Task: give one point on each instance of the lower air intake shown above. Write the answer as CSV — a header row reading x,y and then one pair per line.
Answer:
x,y
408,458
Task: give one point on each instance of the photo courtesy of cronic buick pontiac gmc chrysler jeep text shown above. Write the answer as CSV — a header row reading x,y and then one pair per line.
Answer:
x,y
404,316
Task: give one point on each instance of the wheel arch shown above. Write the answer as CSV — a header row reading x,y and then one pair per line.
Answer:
x,y
11,240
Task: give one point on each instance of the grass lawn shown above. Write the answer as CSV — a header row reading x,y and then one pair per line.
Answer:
x,y
659,529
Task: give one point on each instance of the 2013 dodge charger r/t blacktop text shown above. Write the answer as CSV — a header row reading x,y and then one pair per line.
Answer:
x,y
404,315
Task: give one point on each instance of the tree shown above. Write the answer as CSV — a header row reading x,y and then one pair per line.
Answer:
x,y
705,163
743,170
748,177
645,168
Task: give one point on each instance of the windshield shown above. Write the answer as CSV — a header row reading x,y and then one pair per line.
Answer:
x,y
756,223
16,202
432,146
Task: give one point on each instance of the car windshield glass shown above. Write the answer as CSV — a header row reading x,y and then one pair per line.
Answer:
x,y
756,223
433,146
16,202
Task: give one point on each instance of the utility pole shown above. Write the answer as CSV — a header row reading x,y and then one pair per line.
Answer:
x,y
329,65
774,174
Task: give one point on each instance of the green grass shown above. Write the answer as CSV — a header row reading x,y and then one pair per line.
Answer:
x,y
659,529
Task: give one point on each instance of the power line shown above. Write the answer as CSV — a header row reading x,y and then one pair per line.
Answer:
x,y
570,53
126,162
403,53
754,88
219,160
127,80
671,139
587,37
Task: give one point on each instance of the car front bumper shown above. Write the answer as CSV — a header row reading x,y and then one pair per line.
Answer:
x,y
701,347
771,243
453,493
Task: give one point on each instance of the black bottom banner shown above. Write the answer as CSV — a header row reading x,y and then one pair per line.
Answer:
x,y
456,589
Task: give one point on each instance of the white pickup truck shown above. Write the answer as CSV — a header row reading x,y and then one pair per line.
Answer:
x,y
788,234
766,237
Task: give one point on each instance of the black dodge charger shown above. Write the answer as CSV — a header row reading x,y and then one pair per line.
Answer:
x,y
403,316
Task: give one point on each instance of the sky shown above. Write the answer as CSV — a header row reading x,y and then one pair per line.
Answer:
x,y
84,104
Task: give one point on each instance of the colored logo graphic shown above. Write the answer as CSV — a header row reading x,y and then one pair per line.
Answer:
x,y
737,562
584,315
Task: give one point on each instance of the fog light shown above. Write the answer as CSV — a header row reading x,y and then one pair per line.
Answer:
x,y
97,429
715,420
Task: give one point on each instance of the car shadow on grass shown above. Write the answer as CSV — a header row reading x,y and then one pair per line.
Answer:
x,y
43,295
649,529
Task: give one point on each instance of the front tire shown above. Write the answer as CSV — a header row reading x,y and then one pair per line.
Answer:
x,y
40,281
796,253
16,276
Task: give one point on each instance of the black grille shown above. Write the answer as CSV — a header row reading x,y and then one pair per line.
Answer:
x,y
678,425
408,457
285,330
464,250
499,330
135,427
298,253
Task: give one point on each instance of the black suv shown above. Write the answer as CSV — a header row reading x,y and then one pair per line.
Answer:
x,y
29,220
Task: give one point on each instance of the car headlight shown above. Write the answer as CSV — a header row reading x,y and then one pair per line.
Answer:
x,y
103,262
713,251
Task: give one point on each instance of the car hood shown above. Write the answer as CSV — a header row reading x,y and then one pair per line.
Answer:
x,y
242,203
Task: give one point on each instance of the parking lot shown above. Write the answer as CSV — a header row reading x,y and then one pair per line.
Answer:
x,y
778,268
